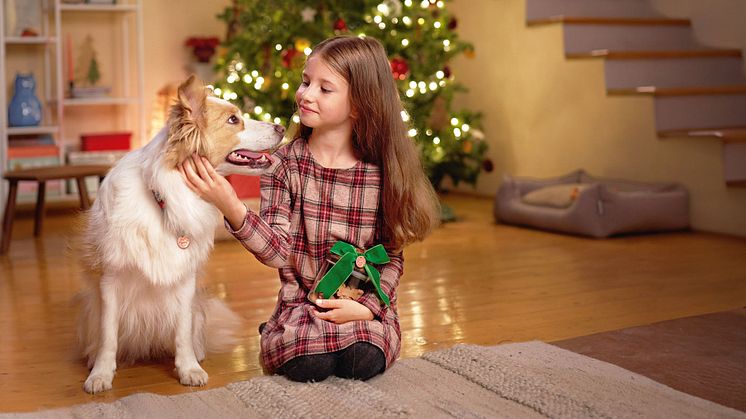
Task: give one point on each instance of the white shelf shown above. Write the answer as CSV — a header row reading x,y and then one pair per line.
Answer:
x,y
89,101
98,8
49,129
25,40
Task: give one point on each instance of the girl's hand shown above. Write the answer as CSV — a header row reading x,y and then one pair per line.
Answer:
x,y
201,177
342,311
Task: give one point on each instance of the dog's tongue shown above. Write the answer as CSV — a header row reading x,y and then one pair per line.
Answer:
x,y
251,154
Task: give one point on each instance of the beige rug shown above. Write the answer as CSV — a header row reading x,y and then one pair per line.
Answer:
x,y
518,380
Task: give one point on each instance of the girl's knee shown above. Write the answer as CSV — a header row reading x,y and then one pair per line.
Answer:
x,y
360,361
309,368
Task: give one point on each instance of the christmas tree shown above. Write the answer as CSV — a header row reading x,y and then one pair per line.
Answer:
x,y
261,62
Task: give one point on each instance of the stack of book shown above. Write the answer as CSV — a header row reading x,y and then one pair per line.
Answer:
x,y
98,148
30,151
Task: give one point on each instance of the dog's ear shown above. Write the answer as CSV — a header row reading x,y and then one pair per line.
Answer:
x,y
187,121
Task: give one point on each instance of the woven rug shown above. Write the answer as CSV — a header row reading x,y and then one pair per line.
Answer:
x,y
531,379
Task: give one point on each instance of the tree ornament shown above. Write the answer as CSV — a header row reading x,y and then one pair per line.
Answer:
x,y
302,43
468,146
452,24
400,68
287,57
340,25
469,53
308,14
447,72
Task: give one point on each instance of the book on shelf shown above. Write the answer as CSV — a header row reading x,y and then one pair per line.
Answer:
x,y
27,189
29,140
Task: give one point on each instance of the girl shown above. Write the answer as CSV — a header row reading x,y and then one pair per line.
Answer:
x,y
352,174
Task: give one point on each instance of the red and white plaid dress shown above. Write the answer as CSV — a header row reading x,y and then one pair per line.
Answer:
x,y
305,209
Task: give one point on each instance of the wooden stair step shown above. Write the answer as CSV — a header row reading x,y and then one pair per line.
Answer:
x,y
616,21
637,55
679,91
732,134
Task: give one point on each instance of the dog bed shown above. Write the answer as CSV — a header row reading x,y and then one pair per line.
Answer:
x,y
579,203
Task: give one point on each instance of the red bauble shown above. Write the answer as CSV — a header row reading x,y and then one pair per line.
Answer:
x,y
447,72
287,57
452,23
340,25
400,68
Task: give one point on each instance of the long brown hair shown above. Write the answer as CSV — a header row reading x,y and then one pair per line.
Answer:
x,y
379,135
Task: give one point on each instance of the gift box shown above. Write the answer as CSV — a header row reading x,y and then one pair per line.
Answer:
x,y
348,271
105,141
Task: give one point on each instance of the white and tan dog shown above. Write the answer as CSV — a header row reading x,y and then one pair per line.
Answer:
x,y
147,235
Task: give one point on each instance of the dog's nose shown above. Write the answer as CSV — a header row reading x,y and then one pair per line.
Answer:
x,y
279,129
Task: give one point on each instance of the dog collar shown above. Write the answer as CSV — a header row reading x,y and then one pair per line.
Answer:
x,y
183,241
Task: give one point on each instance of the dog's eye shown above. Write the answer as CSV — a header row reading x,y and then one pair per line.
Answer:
x,y
233,120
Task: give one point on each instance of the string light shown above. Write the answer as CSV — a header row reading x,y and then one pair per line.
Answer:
x,y
255,74
278,47
421,21
407,20
410,93
454,121
308,50
412,132
457,132
436,24
383,8
296,119
258,110
405,42
247,78
404,116
433,86
440,4
277,120
412,84
436,140
285,86
239,66
382,25
378,19
465,128
408,3
425,4
217,91
439,74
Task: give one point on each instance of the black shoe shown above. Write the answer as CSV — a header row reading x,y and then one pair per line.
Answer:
x,y
262,326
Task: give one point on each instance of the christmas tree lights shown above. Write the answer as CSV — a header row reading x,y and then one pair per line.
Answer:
x,y
261,62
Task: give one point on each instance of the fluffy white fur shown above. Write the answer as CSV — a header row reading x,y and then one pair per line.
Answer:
x,y
142,299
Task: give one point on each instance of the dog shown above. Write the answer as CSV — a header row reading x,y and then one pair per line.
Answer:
x,y
147,234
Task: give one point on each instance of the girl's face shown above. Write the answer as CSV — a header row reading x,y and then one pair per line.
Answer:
x,y
323,97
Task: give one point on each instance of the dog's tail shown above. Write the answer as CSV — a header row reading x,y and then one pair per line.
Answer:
x,y
219,327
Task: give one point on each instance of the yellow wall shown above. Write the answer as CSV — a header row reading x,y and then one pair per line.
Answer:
x,y
546,116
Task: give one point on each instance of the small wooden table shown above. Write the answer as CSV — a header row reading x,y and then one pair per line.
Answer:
x,y
41,175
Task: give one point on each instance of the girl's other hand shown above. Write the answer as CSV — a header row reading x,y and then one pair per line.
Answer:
x,y
201,177
342,311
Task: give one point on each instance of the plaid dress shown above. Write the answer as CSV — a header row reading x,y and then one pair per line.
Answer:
x,y
305,209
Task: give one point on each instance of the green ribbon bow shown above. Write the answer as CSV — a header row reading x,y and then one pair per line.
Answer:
x,y
342,270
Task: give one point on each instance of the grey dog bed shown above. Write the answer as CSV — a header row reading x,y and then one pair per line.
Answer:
x,y
579,203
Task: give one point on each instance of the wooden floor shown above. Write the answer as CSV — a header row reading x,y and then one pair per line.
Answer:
x,y
472,281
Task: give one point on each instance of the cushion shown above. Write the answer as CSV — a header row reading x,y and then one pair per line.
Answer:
x,y
555,196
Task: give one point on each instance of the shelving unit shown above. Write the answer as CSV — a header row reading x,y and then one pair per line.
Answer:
x,y
126,104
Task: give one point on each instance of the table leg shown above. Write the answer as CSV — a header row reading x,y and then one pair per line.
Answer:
x,y
85,203
10,208
41,195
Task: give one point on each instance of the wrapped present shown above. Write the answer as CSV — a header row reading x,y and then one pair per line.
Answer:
x,y
351,269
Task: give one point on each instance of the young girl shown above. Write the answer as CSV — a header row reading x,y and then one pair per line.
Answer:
x,y
352,174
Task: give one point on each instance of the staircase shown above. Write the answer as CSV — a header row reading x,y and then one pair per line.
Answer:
x,y
698,92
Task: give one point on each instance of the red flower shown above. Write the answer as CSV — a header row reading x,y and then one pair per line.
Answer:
x,y
204,48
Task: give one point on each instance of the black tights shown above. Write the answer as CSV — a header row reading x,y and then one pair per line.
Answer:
x,y
359,361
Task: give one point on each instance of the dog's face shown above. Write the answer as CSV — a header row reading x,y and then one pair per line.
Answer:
x,y
215,128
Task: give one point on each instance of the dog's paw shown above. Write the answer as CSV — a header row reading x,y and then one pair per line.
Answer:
x,y
96,383
193,377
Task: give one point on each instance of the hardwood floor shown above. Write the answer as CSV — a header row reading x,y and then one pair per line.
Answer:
x,y
472,281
